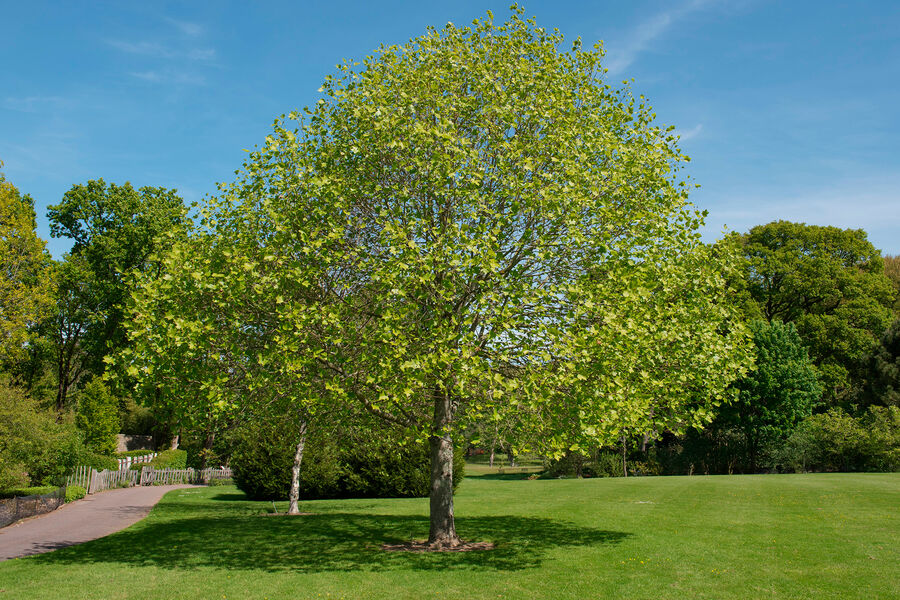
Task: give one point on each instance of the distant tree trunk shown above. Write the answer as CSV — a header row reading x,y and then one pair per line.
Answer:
x,y
294,508
511,455
442,532
491,460
578,463
624,464
207,449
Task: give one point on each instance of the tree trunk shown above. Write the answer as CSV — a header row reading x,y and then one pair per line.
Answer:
x,y
511,455
207,449
624,463
294,508
442,533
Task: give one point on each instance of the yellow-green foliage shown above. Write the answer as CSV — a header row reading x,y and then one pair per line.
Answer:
x,y
98,417
34,448
24,270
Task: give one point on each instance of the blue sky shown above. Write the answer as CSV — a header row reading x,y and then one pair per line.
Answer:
x,y
788,109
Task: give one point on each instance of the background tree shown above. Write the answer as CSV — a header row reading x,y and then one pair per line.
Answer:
x,y
892,270
98,417
777,395
883,377
207,345
114,231
830,283
25,285
474,211
77,311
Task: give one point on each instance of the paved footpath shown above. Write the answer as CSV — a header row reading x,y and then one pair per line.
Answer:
x,y
87,519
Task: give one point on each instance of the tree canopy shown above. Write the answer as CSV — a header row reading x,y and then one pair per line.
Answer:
x,y
25,285
780,392
830,283
114,230
472,219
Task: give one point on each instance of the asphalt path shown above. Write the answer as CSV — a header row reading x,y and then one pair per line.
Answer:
x,y
87,519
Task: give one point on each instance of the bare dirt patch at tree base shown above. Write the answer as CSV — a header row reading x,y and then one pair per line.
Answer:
x,y
424,546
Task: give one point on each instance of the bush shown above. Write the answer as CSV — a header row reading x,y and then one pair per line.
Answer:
x,y
98,462
359,467
28,491
220,482
35,449
133,453
836,441
169,459
75,492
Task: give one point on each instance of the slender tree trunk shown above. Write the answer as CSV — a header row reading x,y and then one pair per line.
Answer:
x,y
442,533
511,455
294,508
491,460
207,449
624,464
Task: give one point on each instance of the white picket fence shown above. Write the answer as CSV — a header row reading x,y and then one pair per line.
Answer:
x,y
125,463
98,481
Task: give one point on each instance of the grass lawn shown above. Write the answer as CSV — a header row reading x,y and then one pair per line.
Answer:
x,y
767,536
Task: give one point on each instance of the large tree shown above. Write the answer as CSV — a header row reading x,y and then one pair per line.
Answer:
x,y
892,270
473,219
25,283
830,283
114,230
779,393
883,373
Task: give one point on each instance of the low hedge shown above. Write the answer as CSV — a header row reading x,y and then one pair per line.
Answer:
x,y
27,491
170,459
98,462
75,492
133,453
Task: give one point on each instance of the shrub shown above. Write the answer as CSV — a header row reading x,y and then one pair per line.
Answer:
x,y
836,441
28,491
170,459
220,482
35,449
98,462
133,453
358,467
75,492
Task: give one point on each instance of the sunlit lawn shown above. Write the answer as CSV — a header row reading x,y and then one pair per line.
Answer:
x,y
771,536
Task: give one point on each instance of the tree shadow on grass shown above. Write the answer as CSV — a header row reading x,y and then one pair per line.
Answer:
x,y
339,541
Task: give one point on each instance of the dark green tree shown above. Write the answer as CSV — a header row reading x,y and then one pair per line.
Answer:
x,y
830,283
777,395
883,380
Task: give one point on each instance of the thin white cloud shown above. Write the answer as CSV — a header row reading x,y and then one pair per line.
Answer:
x,y
157,50
31,104
186,27
690,133
620,57
170,76
143,48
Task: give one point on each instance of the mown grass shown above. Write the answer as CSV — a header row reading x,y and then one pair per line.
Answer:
x,y
770,536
